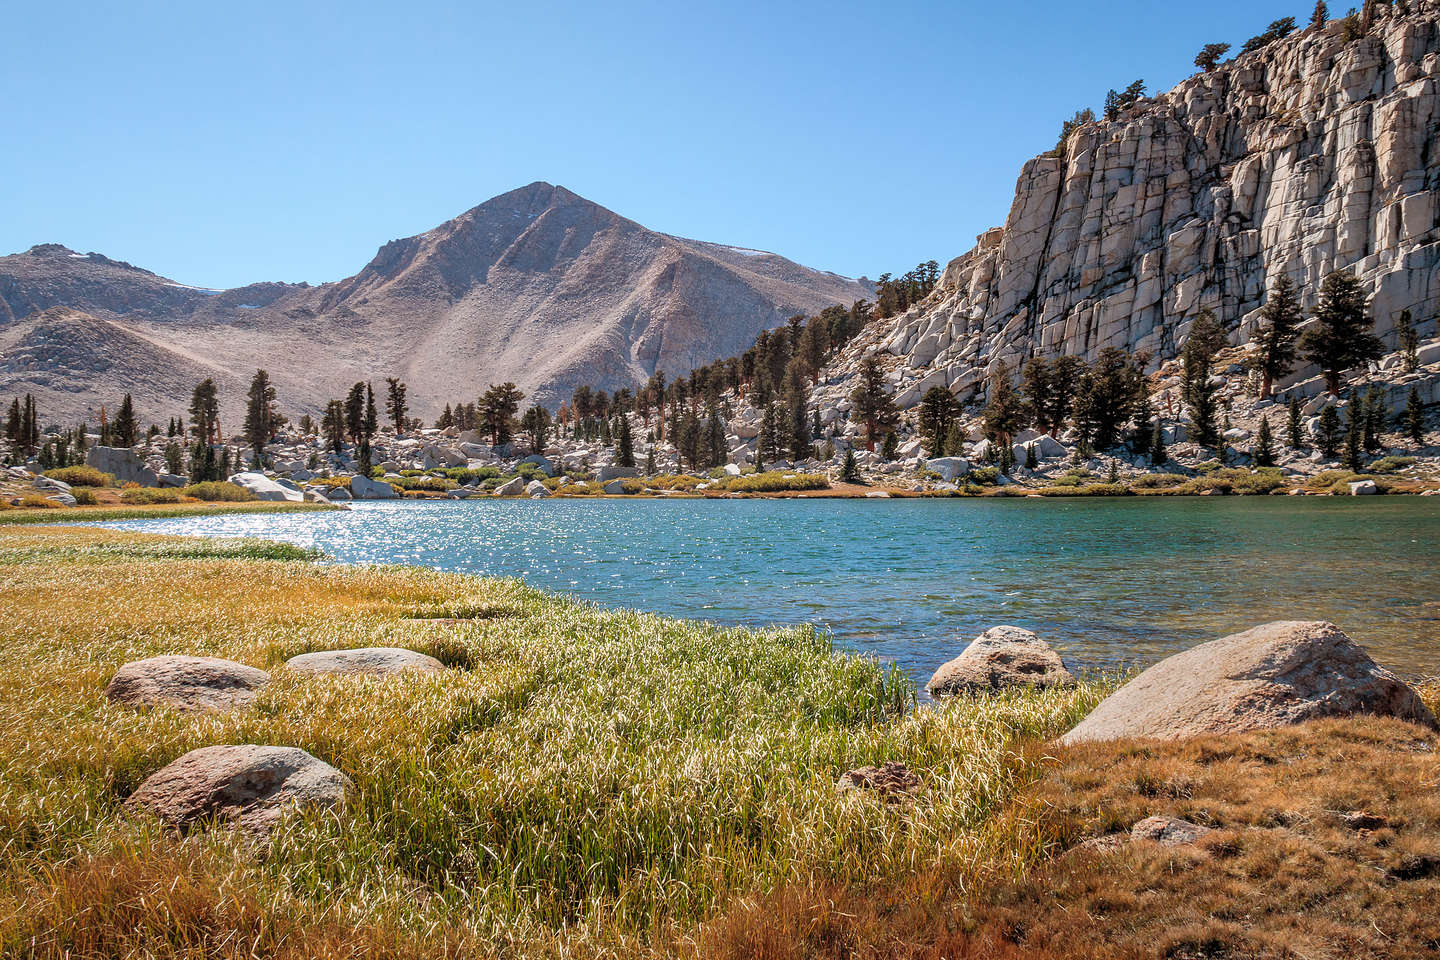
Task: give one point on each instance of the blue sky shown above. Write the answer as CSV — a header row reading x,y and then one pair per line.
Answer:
x,y
222,144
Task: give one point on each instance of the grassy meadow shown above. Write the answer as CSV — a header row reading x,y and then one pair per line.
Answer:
x,y
606,780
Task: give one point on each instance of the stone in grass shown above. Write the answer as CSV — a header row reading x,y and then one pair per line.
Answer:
x,y
1168,831
189,683
372,660
998,658
1275,675
891,782
247,785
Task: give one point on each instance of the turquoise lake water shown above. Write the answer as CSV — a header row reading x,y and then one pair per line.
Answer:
x,y
1108,582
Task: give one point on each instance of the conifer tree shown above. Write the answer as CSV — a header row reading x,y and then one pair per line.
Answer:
x,y
1274,337
650,467
371,422
1408,341
126,429
1265,444
1004,414
954,441
1292,425
332,425
13,422
1328,430
205,412
850,469
871,404
395,406
535,424
625,447
1340,337
1210,55
1414,418
1375,414
355,412
890,449
1320,14
938,409
716,447
1158,453
260,415
498,407
768,444
1354,435
1206,339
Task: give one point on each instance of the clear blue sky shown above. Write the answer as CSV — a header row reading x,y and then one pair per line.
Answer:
x,y
222,144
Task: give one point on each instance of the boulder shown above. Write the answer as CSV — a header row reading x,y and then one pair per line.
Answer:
x,y
732,469
189,683
64,499
123,463
949,467
535,489
51,484
251,786
511,488
1001,657
338,494
363,488
539,461
172,480
1363,488
1168,831
1275,675
614,488
375,660
266,489
608,473
315,496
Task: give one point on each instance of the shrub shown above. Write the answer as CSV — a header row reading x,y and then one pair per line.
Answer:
x,y
985,475
776,482
84,497
464,475
1151,481
219,491
1338,481
81,476
148,495
423,483
1088,490
35,501
1391,464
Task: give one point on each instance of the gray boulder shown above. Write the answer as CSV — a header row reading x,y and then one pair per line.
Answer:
x,y
1001,657
189,683
250,786
266,489
363,488
608,473
374,660
535,489
1275,675
614,488
338,494
511,488
539,461
949,467
123,463
172,480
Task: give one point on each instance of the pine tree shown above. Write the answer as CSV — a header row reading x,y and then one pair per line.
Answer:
x,y
1210,55
355,412
1328,430
126,429
1340,337
205,412
1354,435
716,446
1320,15
1004,414
1414,418
498,406
447,419
12,422
850,470
1158,453
395,406
259,424
1111,391
890,449
954,441
650,467
768,442
1275,336
332,425
1206,339
371,423
1375,415
938,409
625,448
1292,425
1031,461
1407,341
535,424
871,404
1265,444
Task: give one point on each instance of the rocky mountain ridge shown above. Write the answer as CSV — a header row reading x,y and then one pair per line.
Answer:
x,y
538,286
1315,153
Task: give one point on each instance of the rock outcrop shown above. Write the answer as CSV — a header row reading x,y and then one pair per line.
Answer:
x,y
1001,657
1318,152
1275,675
372,660
123,463
189,683
364,488
250,786
265,488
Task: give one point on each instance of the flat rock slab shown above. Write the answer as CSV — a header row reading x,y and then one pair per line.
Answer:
x,y
1275,675
252,786
1168,831
189,683
1001,657
372,660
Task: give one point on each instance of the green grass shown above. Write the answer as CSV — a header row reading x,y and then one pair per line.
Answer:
x,y
592,775
160,511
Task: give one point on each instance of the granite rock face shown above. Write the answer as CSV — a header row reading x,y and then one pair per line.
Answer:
x,y
1313,154
1274,675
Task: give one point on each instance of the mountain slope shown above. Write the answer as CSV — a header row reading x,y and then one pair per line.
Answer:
x,y
538,286
1315,153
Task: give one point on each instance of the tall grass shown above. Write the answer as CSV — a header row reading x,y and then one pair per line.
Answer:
x,y
95,514
585,774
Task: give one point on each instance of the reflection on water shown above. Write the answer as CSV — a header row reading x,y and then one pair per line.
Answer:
x,y
1108,582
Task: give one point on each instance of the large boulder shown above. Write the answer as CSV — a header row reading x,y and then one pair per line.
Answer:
x,y
190,683
949,467
266,489
1275,675
536,489
1001,657
338,494
511,488
363,488
613,472
252,786
123,463
373,660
